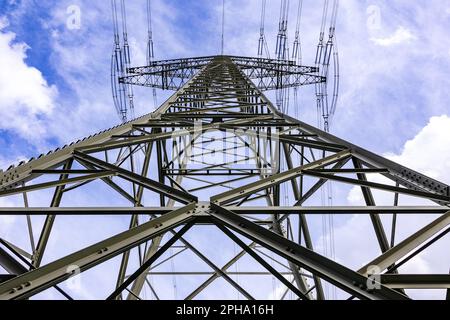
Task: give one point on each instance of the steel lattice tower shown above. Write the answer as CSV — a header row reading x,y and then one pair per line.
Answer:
x,y
218,154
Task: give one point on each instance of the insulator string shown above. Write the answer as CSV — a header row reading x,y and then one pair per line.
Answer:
x,y
150,49
262,43
296,49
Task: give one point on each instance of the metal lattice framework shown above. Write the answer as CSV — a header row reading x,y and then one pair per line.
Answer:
x,y
218,154
270,74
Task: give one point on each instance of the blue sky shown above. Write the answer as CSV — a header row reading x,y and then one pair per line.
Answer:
x,y
395,62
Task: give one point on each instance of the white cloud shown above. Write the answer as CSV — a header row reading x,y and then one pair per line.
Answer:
x,y
82,56
401,35
429,151
25,96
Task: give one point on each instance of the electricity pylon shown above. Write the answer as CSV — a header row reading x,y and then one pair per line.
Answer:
x,y
218,157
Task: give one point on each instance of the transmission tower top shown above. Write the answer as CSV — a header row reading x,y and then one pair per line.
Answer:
x,y
267,73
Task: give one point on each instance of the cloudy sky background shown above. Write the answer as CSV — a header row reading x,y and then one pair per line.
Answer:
x,y
395,62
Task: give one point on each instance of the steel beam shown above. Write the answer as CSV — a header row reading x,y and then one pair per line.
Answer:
x,y
370,201
380,186
247,210
276,179
154,256
55,272
406,177
48,223
170,192
403,248
333,272
261,261
416,281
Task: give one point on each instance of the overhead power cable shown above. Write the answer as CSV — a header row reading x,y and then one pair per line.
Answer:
x,y
326,51
150,48
223,26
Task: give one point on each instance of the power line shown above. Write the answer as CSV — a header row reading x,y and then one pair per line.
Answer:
x,y
262,44
150,48
282,53
325,113
281,46
223,26
127,61
297,48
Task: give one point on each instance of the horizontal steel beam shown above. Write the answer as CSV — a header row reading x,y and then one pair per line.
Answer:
x,y
71,171
210,273
212,172
340,210
416,281
251,210
393,281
